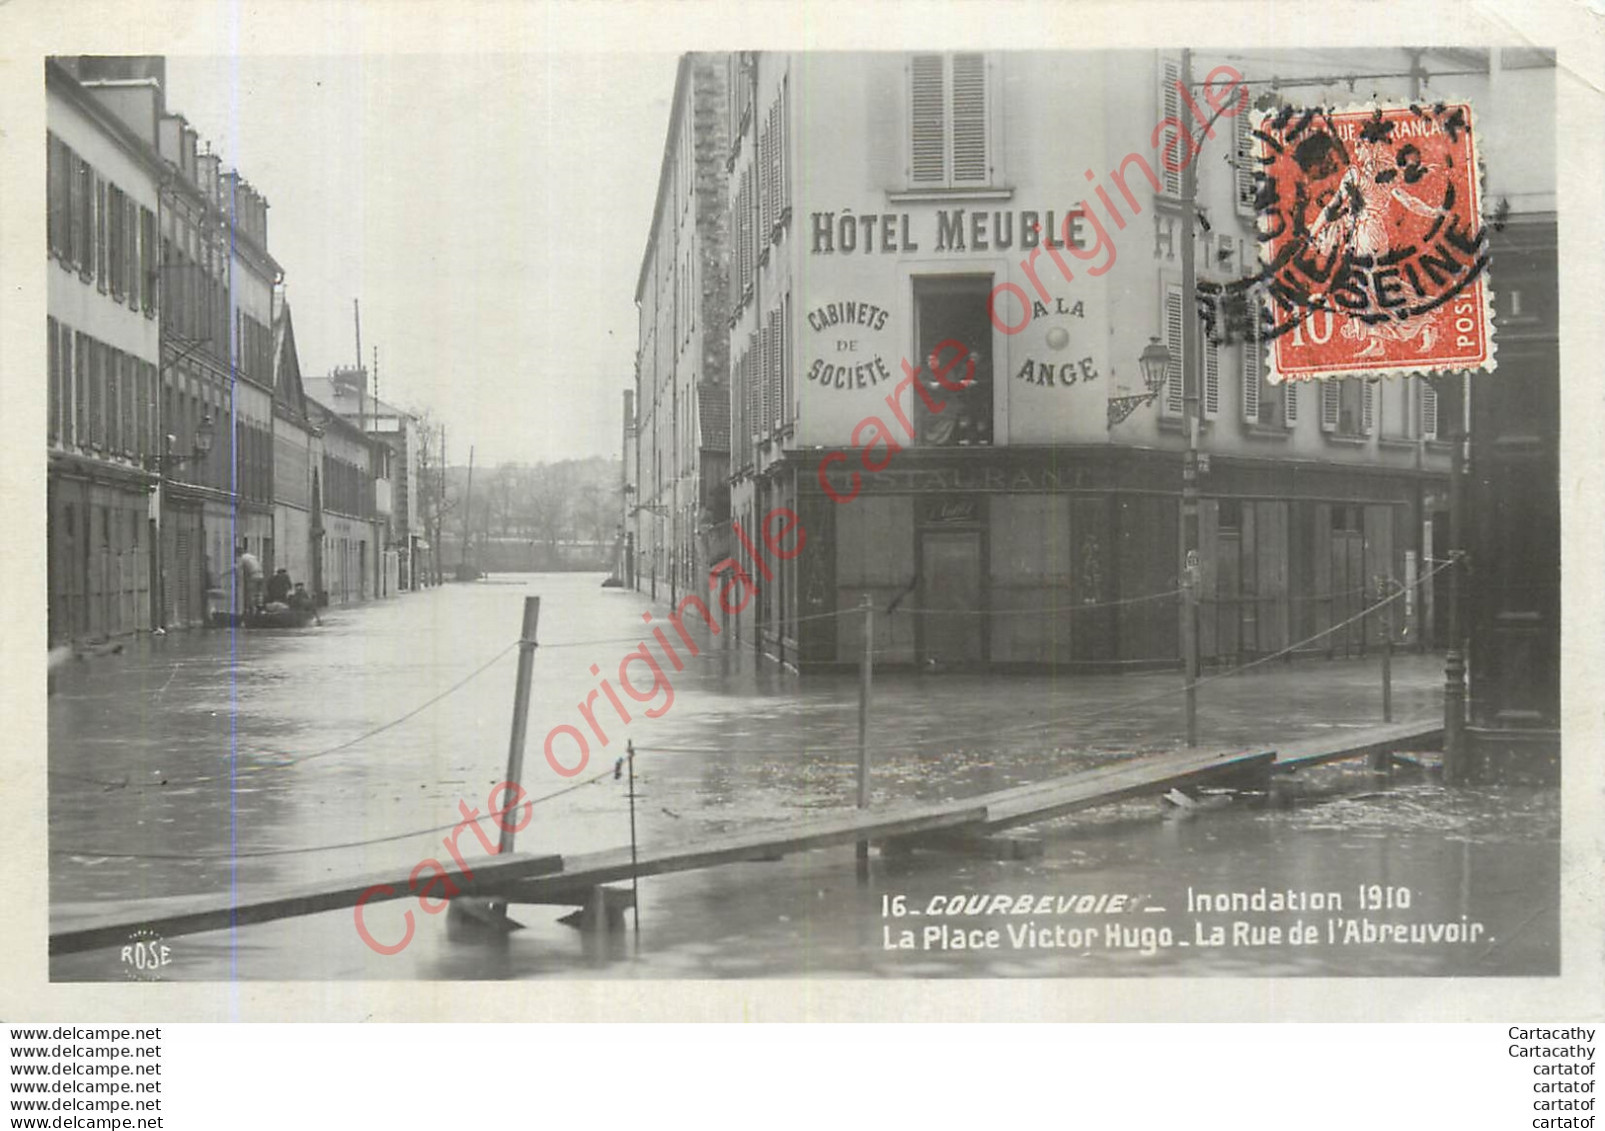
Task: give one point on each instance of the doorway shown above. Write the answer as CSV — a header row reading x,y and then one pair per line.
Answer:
x,y
950,597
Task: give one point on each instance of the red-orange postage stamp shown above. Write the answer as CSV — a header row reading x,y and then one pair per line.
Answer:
x,y
1374,250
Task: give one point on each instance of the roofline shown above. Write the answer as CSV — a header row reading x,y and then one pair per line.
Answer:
x,y
165,172
681,78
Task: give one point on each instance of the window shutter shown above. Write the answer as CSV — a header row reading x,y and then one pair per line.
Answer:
x,y
969,119
98,191
1329,405
131,249
1244,163
1429,411
97,395
927,121
1289,402
785,142
1211,377
754,375
1173,404
130,381
788,389
80,369
1252,376
1368,412
766,139
54,412
52,193
1169,107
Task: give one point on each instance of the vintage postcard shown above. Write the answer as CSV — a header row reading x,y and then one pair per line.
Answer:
x,y
691,524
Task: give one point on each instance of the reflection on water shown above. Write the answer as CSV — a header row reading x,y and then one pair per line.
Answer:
x,y
205,762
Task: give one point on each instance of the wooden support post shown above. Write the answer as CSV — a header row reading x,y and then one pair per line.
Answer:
x,y
635,860
866,667
526,670
1387,655
469,905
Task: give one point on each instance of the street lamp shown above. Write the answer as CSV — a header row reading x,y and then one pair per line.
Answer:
x,y
1154,364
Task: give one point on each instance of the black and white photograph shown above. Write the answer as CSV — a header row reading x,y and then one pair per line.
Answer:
x,y
747,514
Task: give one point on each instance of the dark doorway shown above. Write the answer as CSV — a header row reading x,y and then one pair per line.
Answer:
x,y
950,594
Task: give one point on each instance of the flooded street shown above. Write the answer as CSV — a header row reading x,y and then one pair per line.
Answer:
x,y
206,762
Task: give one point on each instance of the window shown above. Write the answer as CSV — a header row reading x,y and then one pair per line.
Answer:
x,y
1429,410
1243,162
99,189
1169,107
1348,407
80,399
52,424
59,174
114,417
1173,402
950,136
83,235
97,393
1265,404
953,308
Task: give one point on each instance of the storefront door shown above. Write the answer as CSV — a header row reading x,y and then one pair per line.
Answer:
x,y
950,595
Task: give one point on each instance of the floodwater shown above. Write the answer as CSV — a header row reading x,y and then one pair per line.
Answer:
x,y
210,762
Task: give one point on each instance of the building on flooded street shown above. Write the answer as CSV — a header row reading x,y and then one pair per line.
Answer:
x,y
679,499
946,270
175,398
103,431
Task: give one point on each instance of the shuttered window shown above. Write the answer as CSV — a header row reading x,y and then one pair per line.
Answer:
x,y
1329,405
1174,391
1253,372
1368,409
80,398
52,419
83,235
950,143
1211,378
1170,140
766,184
1243,162
785,144
927,121
969,119
1290,395
1429,411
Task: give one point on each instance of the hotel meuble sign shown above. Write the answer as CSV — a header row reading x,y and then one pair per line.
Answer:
x,y
845,326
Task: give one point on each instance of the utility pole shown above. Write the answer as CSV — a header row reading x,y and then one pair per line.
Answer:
x,y
1191,355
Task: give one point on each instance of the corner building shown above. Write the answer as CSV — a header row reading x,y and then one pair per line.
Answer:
x,y
880,201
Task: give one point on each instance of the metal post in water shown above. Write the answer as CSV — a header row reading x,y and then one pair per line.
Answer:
x,y
515,742
866,667
635,878
1387,651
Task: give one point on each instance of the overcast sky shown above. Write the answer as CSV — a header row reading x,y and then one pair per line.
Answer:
x,y
489,212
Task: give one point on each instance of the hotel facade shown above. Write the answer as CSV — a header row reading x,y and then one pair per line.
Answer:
x,y
1008,213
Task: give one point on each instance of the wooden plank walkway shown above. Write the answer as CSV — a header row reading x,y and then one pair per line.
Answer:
x,y
581,873
1385,738
522,878
87,926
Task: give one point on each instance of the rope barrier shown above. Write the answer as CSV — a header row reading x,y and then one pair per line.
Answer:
x,y
286,763
947,739
269,852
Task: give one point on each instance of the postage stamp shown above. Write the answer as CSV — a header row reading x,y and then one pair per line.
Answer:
x,y
1373,246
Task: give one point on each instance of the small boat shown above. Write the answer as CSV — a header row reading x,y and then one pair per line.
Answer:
x,y
276,614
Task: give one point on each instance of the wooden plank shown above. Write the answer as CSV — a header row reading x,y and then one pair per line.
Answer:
x,y
80,927
1416,735
1145,777
580,873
